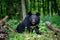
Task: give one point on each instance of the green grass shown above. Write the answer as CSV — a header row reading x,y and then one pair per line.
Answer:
x,y
32,36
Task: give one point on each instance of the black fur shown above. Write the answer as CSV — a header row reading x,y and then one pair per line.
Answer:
x,y
27,22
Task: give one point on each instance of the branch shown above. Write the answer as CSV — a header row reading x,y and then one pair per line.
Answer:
x,y
3,34
8,26
49,25
2,21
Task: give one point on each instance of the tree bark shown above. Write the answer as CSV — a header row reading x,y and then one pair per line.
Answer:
x,y
52,27
23,8
3,34
3,23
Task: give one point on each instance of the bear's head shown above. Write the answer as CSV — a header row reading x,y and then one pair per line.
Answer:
x,y
34,18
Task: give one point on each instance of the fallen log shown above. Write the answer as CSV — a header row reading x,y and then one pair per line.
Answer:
x,y
3,33
2,21
51,27
3,25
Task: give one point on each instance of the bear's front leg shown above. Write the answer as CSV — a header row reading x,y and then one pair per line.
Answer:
x,y
20,28
28,28
37,30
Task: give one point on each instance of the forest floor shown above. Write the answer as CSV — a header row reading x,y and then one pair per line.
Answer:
x,y
33,36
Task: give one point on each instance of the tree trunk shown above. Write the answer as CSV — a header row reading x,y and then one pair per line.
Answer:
x,y
23,8
38,5
55,6
1,11
43,7
48,6
51,8
58,12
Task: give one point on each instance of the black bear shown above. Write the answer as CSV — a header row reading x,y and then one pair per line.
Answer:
x,y
30,22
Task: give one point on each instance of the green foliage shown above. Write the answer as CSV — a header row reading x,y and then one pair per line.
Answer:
x,y
55,20
26,36
13,8
13,23
32,36
42,26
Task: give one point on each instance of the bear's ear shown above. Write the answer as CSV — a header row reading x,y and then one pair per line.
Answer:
x,y
38,14
29,13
